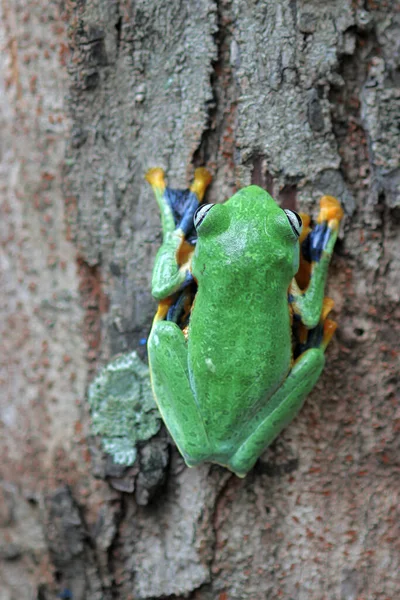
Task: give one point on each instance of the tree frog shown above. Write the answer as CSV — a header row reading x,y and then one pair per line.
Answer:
x,y
239,336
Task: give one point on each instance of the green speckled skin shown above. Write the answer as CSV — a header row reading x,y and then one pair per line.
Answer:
x,y
228,390
232,267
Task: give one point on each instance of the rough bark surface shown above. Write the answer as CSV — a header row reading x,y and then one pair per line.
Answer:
x,y
302,97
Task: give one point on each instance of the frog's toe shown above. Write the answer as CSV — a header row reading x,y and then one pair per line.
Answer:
x,y
329,329
327,305
202,179
330,212
156,178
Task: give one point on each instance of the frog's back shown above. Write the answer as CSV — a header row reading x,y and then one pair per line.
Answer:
x,y
239,333
239,355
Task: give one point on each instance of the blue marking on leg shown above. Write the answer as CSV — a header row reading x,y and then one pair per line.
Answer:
x,y
184,204
316,242
192,204
176,311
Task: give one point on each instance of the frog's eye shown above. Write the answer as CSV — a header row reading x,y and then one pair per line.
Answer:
x,y
201,213
294,220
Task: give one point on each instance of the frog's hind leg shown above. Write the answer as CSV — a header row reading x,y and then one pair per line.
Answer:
x,y
170,381
280,410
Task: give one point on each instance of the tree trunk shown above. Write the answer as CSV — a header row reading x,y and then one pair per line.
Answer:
x,y
301,97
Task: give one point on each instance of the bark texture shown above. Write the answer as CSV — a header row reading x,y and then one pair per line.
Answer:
x,y
302,97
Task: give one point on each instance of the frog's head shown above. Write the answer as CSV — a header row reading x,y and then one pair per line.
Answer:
x,y
248,233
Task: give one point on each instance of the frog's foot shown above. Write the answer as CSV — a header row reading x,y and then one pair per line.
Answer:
x,y
280,410
170,382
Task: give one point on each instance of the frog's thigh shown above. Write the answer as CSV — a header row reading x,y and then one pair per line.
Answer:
x,y
282,408
170,380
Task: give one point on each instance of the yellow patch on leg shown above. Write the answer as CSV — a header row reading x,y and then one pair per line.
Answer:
x,y
184,253
330,211
329,329
156,178
327,306
202,179
162,309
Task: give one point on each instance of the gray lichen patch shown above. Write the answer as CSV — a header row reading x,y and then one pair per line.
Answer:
x,y
123,409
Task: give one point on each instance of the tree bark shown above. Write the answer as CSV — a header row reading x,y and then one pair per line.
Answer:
x,y
301,97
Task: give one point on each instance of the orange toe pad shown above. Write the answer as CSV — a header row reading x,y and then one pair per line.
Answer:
x,y
330,209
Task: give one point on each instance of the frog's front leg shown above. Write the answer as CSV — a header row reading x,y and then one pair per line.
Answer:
x,y
172,263
308,303
168,276
282,407
170,381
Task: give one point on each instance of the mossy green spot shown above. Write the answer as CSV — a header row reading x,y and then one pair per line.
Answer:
x,y
122,406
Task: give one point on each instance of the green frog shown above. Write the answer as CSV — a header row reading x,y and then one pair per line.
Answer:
x,y
239,337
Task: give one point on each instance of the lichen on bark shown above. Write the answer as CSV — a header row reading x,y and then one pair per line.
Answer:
x,y
123,409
